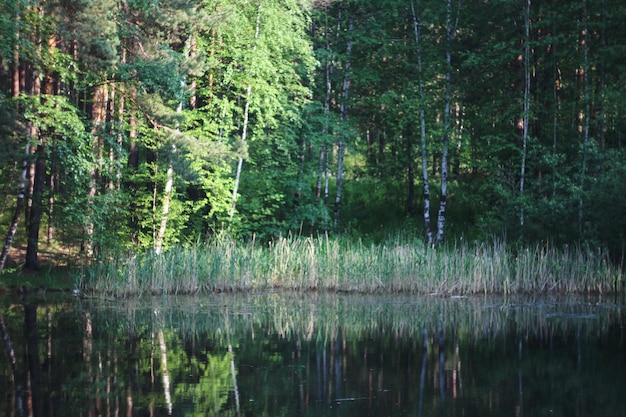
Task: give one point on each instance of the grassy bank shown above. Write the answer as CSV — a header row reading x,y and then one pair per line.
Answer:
x,y
342,265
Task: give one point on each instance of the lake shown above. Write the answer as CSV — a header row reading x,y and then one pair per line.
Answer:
x,y
313,354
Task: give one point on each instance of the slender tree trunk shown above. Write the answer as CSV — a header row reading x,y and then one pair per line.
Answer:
x,y
53,180
526,115
327,97
343,115
587,101
244,134
113,130
19,207
15,76
441,216
193,52
555,109
426,188
36,210
98,119
244,131
167,196
36,175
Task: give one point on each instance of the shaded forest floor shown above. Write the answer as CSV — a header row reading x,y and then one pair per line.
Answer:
x,y
55,272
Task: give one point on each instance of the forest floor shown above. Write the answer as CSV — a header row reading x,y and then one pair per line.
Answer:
x,y
55,272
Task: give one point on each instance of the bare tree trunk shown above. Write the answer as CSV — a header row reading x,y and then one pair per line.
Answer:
x,y
343,115
15,77
441,216
167,196
587,99
193,52
244,131
555,117
323,157
35,173
19,206
526,115
98,119
426,188
36,211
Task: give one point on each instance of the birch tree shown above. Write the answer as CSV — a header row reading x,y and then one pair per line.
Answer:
x,y
526,110
425,186
450,35
246,115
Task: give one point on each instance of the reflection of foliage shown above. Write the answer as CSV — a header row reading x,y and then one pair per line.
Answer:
x,y
288,345
206,381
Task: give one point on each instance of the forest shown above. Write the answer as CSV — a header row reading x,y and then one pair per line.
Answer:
x,y
139,125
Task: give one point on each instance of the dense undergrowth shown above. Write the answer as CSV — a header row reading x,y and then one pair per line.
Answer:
x,y
335,264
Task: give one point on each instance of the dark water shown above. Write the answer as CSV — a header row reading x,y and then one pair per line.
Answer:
x,y
313,355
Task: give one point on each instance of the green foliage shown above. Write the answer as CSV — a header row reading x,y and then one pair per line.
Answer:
x,y
184,79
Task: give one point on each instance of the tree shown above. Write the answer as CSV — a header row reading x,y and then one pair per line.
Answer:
x,y
422,117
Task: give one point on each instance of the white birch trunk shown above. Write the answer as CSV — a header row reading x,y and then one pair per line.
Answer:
x,y
21,197
426,188
441,215
244,131
165,210
244,134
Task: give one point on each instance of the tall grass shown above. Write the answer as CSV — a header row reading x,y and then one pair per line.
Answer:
x,y
337,264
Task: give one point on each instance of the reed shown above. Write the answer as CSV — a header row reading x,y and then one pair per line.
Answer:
x,y
326,263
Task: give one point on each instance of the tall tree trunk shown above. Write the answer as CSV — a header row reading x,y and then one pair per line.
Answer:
x,y
426,189
19,207
244,131
36,175
98,119
327,97
555,108
587,109
167,196
193,52
36,210
345,89
441,216
526,115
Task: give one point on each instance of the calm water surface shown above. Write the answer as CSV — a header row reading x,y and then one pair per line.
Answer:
x,y
277,354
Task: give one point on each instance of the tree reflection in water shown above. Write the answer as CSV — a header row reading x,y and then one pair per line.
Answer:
x,y
284,354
